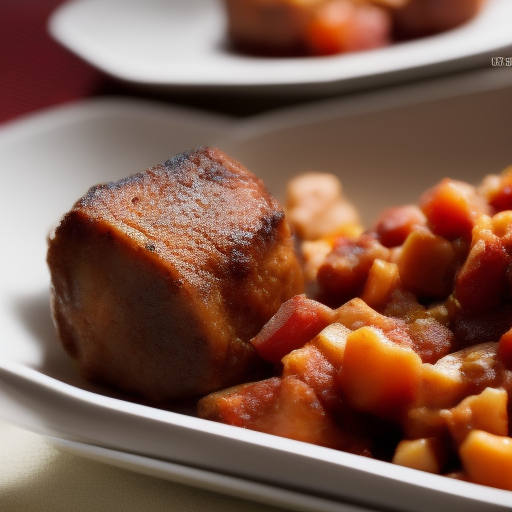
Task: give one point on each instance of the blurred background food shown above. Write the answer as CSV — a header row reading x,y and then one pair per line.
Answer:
x,y
324,27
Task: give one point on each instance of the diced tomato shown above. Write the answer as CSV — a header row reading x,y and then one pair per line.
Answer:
x,y
297,321
481,282
285,407
245,405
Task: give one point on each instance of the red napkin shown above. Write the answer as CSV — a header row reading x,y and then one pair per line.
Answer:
x,y
35,71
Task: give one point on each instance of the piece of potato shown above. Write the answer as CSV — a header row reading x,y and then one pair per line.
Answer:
x,y
486,411
422,454
383,279
427,265
487,459
369,376
461,374
331,342
317,208
356,313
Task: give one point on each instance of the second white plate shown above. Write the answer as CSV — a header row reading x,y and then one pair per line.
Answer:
x,y
181,43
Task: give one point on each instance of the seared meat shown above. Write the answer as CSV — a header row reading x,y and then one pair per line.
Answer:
x,y
159,280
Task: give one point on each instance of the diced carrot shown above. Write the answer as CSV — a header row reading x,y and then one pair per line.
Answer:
x,y
487,459
427,265
369,375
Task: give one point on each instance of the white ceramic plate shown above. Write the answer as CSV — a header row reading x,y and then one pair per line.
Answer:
x,y
182,43
387,148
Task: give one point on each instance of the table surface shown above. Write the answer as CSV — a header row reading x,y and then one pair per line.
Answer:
x,y
36,73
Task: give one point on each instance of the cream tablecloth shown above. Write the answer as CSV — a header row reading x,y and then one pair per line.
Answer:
x,y
36,477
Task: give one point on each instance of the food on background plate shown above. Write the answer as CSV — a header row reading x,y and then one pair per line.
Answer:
x,y
324,27
160,280
403,350
418,18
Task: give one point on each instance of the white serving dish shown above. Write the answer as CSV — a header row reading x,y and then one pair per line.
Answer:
x,y
387,147
182,43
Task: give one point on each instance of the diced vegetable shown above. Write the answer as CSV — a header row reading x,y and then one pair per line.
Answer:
x,y
345,269
316,207
427,265
369,376
394,225
309,365
487,459
481,282
414,365
297,321
423,454
486,411
451,208
383,279
285,407
463,373
331,342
